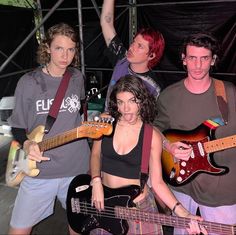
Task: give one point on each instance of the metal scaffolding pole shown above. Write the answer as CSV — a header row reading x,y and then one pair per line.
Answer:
x,y
133,22
132,19
96,8
81,37
30,35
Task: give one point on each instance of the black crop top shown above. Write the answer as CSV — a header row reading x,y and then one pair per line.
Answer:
x,y
127,165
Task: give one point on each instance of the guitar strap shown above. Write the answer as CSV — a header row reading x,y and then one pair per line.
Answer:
x,y
221,99
147,141
55,107
146,149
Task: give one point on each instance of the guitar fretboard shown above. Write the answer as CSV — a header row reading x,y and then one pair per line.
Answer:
x,y
88,129
220,144
59,140
178,222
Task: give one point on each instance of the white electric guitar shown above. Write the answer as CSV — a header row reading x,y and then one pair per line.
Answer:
x,y
19,165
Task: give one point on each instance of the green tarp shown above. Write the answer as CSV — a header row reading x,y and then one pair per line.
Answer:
x,y
18,3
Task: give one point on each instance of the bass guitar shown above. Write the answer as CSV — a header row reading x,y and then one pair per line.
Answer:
x,y
19,165
83,217
178,172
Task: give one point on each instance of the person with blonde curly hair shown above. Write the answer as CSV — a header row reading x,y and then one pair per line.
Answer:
x,y
34,95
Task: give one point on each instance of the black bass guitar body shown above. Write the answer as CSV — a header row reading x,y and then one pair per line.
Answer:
x,y
83,217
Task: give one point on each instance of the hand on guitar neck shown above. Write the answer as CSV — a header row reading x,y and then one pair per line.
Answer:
x,y
32,150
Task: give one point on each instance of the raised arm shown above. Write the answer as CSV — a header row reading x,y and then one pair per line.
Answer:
x,y
107,20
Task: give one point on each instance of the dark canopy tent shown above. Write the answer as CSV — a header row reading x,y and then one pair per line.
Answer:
x,y
174,19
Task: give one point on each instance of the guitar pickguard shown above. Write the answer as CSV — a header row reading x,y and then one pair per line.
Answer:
x,y
18,165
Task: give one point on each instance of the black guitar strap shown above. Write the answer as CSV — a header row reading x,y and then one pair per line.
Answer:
x,y
146,149
221,99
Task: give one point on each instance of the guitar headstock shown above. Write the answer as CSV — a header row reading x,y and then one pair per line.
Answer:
x,y
98,127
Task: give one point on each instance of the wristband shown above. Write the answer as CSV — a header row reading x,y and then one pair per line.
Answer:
x,y
174,208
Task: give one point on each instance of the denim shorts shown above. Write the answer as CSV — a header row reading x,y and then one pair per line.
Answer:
x,y
36,198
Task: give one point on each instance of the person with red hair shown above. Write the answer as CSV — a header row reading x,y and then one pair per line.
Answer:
x,y
143,54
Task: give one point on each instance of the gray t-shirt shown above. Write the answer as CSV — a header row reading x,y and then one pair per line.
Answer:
x,y
34,95
180,109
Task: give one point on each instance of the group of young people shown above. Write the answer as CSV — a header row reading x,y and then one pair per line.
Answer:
x,y
136,102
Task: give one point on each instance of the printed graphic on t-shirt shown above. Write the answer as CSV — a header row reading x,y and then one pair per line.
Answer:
x,y
70,103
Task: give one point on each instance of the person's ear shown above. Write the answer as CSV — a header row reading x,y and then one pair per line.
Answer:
x,y
152,55
183,58
214,57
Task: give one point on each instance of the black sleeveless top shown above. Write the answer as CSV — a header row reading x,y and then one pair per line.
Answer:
x,y
127,165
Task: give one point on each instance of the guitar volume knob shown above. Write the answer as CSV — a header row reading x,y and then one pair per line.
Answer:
x,y
179,179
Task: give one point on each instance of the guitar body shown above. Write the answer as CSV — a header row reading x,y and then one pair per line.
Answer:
x,y
178,172
83,218
18,164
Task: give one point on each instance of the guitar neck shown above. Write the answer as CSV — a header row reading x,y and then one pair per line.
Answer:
x,y
174,221
220,144
61,139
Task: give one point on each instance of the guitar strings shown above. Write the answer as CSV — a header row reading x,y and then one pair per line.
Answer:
x,y
69,135
134,214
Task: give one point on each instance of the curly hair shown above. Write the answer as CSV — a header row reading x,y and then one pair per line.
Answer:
x,y
43,57
146,101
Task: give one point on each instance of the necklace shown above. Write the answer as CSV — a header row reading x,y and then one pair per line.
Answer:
x,y
48,71
46,67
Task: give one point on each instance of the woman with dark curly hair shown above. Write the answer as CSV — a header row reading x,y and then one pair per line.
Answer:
x,y
146,102
116,159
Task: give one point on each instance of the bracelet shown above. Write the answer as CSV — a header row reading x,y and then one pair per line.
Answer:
x,y
95,179
176,204
96,176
